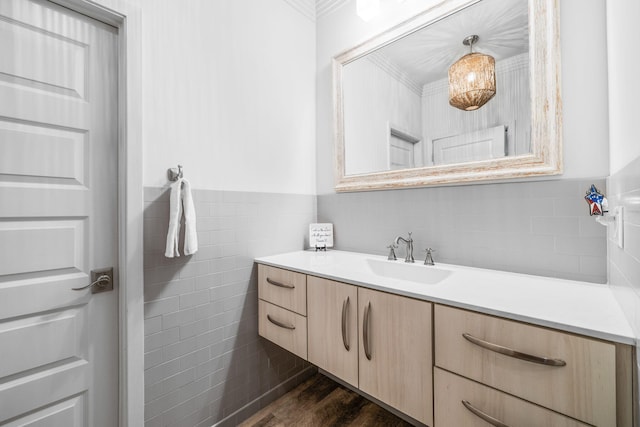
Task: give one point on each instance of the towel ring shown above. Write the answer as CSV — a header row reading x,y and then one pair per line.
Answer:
x,y
175,174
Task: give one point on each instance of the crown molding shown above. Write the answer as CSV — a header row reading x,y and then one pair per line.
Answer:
x,y
326,7
394,71
306,8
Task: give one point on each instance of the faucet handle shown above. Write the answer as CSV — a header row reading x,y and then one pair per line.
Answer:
x,y
428,260
392,253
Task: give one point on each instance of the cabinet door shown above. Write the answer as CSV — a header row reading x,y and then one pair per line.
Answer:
x,y
333,327
395,352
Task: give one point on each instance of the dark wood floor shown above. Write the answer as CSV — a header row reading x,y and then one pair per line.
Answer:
x,y
320,401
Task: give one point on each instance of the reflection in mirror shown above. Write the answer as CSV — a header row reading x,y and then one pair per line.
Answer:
x,y
395,126
396,99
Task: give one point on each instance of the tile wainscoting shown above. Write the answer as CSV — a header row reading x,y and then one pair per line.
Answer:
x,y
204,360
534,227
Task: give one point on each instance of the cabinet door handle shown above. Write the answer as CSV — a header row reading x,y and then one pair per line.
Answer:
x,y
278,323
488,418
514,353
99,283
365,331
281,285
345,339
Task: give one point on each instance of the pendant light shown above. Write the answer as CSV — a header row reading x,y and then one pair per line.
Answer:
x,y
472,79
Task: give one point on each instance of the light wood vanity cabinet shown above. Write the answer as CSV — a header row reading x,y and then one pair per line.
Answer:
x,y
333,327
567,373
283,288
482,401
396,352
378,342
383,344
282,308
283,327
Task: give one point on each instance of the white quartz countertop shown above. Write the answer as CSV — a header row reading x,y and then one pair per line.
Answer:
x,y
572,306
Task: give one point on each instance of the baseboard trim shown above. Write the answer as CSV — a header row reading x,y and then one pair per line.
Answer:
x,y
267,397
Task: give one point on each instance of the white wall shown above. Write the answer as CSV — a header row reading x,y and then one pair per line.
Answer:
x,y
228,92
373,100
584,79
624,82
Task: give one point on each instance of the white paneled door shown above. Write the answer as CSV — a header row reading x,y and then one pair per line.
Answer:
x,y
58,216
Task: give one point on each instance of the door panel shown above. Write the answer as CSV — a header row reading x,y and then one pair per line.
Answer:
x,y
58,216
31,342
59,68
42,245
67,413
401,153
67,147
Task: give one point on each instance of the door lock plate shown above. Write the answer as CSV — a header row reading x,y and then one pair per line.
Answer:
x,y
104,286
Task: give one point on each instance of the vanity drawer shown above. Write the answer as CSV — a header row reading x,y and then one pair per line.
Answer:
x,y
283,327
451,390
584,388
284,288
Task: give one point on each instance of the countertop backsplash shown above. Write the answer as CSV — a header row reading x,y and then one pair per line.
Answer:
x,y
533,227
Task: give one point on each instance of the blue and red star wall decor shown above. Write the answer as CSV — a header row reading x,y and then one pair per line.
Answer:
x,y
596,200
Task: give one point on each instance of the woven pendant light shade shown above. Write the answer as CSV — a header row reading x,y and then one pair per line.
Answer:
x,y
472,81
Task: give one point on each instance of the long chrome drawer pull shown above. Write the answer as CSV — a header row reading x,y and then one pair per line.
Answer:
x,y
282,285
277,323
485,417
365,331
513,353
345,339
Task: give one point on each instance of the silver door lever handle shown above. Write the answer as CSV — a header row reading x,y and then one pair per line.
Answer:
x,y
100,282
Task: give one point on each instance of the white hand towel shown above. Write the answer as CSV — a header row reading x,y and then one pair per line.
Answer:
x,y
175,214
190,235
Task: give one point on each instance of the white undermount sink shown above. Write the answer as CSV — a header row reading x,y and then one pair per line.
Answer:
x,y
413,272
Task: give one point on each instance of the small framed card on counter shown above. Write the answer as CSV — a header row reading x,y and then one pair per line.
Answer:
x,y
321,236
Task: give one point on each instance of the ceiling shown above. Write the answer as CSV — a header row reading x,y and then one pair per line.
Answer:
x,y
425,56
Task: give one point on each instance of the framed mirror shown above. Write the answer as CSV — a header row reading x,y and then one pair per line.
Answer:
x,y
395,123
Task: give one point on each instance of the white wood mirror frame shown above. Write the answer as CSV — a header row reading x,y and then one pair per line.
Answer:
x,y
546,108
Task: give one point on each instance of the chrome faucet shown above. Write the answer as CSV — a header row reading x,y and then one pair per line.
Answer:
x,y
409,243
392,253
428,260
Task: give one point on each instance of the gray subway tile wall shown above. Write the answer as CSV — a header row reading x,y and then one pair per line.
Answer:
x,y
204,362
624,263
533,227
